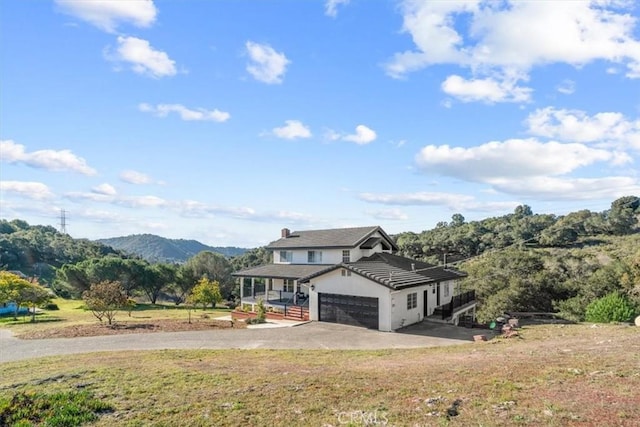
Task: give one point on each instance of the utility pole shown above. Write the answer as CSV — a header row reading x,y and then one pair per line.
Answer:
x,y
63,221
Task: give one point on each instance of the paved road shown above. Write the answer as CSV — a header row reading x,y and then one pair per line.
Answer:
x,y
314,335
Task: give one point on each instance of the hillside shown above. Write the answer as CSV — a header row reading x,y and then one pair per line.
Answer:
x,y
160,249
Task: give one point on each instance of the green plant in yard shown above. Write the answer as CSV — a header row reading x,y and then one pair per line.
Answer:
x,y
104,299
613,307
205,292
262,310
64,409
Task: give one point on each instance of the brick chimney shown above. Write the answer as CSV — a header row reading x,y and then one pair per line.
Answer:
x,y
285,233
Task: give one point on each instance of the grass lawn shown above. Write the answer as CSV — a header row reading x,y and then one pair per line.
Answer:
x,y
73,313
552,375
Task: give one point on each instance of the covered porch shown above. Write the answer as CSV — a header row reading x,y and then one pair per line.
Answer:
x,y
278,287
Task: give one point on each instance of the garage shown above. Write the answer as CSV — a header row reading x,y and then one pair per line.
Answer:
x,y
348,310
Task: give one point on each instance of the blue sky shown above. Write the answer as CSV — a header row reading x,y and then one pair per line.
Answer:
x,y
225,121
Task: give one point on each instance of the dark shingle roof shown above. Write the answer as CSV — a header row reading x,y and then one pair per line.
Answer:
x,y
393,271
332,238
281,271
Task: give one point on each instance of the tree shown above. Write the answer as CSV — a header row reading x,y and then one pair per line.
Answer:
x,y
156,278
34,296
456,220
205,292
622,217
213,266
21,292
104,299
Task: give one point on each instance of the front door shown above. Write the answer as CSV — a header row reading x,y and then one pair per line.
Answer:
x,y
438,295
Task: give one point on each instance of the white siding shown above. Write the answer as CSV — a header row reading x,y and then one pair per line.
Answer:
x,y
431,300
329,256
335,283
400,315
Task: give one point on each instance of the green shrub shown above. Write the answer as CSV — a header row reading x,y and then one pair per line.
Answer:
x,y
613,307
261,309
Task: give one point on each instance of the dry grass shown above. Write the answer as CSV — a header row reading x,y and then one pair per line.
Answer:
x,y
73,316
553,375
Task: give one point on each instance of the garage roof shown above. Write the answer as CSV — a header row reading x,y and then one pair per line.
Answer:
x,y
393,271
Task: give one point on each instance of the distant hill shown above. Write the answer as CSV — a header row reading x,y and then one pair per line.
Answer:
x,y
160,249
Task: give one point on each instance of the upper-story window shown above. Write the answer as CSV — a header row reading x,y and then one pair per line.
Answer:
x,y
346,255
314,257
286,256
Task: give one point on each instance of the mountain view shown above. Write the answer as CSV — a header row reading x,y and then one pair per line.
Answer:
x,y
160,249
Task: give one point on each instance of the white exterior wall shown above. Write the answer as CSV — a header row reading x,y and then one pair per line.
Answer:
x,y
329,256
300,256
335,283
400,315
431,299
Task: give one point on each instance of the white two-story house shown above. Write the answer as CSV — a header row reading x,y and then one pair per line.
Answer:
x,y
351,276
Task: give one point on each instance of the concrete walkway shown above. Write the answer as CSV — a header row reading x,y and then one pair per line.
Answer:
x,y
313,335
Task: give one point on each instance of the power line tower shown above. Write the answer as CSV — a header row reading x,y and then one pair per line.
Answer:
x,y
63,221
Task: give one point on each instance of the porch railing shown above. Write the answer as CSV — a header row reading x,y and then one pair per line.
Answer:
x,y
457,301
297,310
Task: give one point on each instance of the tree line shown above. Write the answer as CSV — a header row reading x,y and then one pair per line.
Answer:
x,y
70,266
526,262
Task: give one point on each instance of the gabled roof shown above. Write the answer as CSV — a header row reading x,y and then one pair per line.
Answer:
x,y
393,271
281,271
331,238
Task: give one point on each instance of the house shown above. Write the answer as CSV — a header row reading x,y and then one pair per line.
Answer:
x,y
351,276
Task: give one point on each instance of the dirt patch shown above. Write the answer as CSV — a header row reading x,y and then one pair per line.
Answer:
x,y
136,327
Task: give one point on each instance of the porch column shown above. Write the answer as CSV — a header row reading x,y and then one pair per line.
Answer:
x,y
241,288
253,287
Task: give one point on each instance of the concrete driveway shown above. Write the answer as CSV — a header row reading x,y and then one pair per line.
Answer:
x,y
313,336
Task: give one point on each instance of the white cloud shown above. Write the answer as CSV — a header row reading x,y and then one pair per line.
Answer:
x,y
331,7
292,129
267,65
143,202
107,14
552,188
452,201
511,159
51,160
198,114
388,214
104,189
567,87
142,57
134,177
487,90
511,37
575,125
31,190
417,199
363,135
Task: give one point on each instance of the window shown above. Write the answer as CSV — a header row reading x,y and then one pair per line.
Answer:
x,y
314,257
346,256
446,290
288,285
412,300
286,256
346,273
